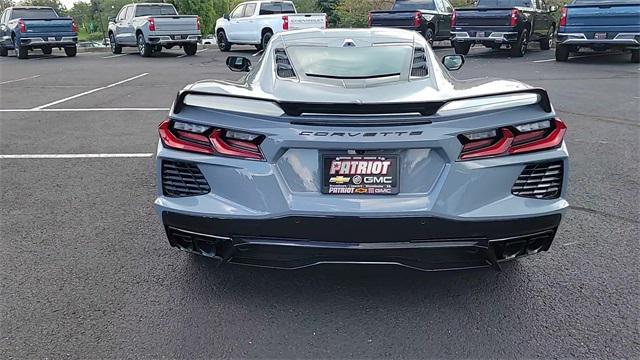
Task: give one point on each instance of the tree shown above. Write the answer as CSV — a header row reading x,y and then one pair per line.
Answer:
x,y
55,4
5,4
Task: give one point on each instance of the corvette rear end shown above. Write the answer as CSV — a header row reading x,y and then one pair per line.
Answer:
x,y
363,150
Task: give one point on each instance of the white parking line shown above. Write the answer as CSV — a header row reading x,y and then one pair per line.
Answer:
x,y
21,79
89,109
76,156
546,60
89,92
114,56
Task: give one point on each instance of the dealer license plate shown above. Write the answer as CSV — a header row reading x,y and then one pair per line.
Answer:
x,y
480,34
360,174
177,37
51,39
601,36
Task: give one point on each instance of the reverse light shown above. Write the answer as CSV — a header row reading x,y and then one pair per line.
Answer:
x,y
23,27
285,22
74,26
514,17
207,140
152,24
454,18
417,20
512,140
198,23
563,16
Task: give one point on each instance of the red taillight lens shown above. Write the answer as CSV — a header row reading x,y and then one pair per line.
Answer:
x,y
285,23
514,17
23,27
417,20
542,135
454,18
210,141
563,17
369,20
74,26
198,23
152,24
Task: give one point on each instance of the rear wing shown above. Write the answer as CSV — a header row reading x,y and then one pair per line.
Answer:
x,y
483,102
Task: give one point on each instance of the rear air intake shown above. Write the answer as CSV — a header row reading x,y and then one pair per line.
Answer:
x,y
540,181
283,65
419,65
181,179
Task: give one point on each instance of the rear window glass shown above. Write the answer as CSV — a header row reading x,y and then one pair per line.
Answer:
x,y
504,3
150,10
276,8
350,62
411,5
33,13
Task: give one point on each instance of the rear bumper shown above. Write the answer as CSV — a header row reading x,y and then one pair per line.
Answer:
x,y
499,37
423,243
49,41
580,39
173,39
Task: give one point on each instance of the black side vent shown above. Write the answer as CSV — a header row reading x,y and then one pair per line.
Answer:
x,y
180,179
283,65
540,181
419,65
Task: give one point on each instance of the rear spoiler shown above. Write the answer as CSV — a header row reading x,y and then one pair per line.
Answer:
x,y
428,108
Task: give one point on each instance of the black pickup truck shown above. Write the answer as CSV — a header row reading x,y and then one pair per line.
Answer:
x,y
513,23
431,18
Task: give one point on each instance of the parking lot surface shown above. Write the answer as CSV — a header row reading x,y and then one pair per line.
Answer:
x,y
86,269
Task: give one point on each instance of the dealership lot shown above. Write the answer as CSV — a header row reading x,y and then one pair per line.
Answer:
x,y
87,270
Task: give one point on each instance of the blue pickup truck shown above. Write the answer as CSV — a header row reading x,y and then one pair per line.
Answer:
x,y
600,25
27,28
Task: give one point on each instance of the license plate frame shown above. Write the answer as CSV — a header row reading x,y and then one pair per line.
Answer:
x,y
365,175
600,36
177,37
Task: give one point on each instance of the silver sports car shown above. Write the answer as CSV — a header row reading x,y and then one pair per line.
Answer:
x,y
357,146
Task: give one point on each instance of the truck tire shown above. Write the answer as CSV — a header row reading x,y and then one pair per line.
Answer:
x,y
115,48
190,49
562,53
522,45
462,48
266,37
47,50
71,51
428,35
223,43
4,51
143,48
545,44
635,56
21,51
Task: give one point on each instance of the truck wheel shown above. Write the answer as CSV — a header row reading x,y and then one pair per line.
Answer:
x,y
428,35
21,51
520,48
462,48
47,50
143,48
635,56
190,49
4,51
266,37
115,48
223,43
545,44
562,53
71,51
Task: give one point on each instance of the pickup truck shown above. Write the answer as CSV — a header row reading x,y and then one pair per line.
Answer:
x,y
599,25
152,26
255,22
26,28
513,23
431,18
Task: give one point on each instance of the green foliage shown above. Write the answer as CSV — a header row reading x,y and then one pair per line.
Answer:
x,y
5,4
55,4
203,8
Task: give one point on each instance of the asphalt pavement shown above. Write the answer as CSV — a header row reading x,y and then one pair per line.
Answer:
x,y
86,270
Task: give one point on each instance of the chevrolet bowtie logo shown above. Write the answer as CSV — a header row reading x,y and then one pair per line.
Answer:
x,y
339,180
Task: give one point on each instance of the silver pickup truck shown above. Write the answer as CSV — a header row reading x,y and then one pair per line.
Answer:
x,y
152,26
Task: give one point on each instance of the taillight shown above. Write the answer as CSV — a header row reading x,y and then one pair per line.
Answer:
x,y
514,17
563,17
285,23
207,140
512,140
23,27
74,26
454,18
370,20
198,23
417,20
152,24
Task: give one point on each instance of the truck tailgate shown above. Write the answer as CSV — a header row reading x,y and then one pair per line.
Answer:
x,y
48,26
306,21
176,24
483,17
401,19
606,17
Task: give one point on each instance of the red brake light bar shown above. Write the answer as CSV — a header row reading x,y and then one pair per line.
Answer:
x,y
513,140
285,22
563,17
514,17
152,24
23,27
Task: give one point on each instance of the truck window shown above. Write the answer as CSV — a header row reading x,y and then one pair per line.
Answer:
x,y
413,5
42,13
505,3
151,10
249,9
237,12
122,14
277,8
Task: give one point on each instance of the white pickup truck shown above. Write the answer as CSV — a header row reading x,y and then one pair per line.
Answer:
x,y
255,22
